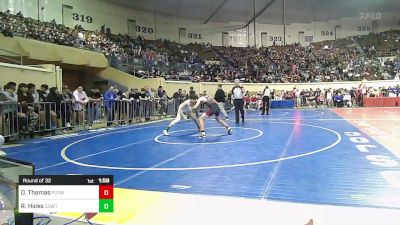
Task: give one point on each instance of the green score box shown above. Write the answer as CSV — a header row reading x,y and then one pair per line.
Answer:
x,y
106,205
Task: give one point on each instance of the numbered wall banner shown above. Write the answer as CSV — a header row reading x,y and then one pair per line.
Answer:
x,y
144,30
238,38
182,34
67,17
132,28
82,18
308,38
193,35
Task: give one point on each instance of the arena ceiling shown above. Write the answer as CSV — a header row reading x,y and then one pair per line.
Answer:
x,y
297,11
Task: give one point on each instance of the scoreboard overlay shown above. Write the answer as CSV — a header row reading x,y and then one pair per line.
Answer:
x,y
66,193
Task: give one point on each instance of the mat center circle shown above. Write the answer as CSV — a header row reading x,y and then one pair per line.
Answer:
x,y
215,135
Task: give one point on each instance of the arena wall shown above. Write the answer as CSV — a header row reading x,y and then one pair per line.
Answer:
x,y
126,80
47,52
43,74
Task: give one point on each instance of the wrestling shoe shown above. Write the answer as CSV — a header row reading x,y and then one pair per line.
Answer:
x,y
165,132
202,135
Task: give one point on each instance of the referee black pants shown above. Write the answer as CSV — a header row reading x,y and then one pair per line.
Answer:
x,y
265,101
238,107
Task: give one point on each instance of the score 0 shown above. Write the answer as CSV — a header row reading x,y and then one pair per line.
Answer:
x,y
106,195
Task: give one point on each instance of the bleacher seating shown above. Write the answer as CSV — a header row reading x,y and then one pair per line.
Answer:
x,y
338,60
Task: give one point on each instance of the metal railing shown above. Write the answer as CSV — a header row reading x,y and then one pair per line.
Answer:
x,y
134,64
22,120
19,121
9,120
387,54
9,59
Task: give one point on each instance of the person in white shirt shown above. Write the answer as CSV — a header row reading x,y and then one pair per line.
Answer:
x,y
213,109
81,100
266,97
297,95
329,98
238,93
392,94
81,39
10,104
9,94
347,99
180,115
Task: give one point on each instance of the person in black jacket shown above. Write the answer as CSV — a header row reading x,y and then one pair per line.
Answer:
x,y
178,98
56,98
43,92
66,107
220,98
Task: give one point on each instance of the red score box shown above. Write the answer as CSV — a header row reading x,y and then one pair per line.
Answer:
x,y
106,192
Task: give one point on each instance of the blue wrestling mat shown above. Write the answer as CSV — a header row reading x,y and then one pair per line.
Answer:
x,y
292,155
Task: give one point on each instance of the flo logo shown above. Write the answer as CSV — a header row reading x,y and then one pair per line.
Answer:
x,y
390,167
370,15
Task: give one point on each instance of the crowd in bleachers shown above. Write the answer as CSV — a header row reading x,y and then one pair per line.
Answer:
x,y
339,60
320,62
373,43
102,40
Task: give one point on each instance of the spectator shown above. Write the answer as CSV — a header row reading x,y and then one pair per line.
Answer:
x,y
42,92
9,109
56,98
347,99
221,98
66,107
33,92
109,100
95,99
163,101
338,100
122,106
178,98
8,94
28,119
192,92
79,105
328,97
43,115
147,103
12,84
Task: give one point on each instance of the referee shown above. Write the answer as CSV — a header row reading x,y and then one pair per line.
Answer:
x,y
265,100
238,93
